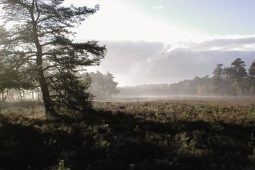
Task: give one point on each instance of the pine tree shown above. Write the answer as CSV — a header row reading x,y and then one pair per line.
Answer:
x,y
252,70
252,78
238,69
239,75
218,78
38,33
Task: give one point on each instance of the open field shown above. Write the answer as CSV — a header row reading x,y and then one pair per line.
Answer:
x,y
181,134
216,100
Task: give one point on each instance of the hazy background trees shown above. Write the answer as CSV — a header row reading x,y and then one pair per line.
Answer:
x,y
251,78
235,80
102,85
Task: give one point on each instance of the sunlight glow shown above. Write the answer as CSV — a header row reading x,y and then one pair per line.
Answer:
x,y
117,20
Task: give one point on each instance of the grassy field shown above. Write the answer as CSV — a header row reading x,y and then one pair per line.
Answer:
x,y
181,134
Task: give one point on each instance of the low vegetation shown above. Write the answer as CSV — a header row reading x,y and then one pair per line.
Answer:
x,y
177,134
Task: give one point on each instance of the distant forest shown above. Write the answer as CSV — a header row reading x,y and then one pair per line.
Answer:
x,y
102,86
235,80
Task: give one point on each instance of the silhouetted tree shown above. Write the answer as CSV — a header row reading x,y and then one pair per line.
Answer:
x,y
238,69
11,78
69,91
252,78
39,35
239,75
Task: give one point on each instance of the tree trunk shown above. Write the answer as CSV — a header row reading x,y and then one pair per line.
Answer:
x,y
49,107
48,104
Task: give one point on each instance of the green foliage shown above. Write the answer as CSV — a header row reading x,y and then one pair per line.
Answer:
x,y
252,70
40,41
252,78
68,91
13,76
238,69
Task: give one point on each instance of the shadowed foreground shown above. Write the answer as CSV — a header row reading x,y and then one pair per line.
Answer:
x,y
145,135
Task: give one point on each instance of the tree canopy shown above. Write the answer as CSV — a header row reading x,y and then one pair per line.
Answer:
x,y
37,34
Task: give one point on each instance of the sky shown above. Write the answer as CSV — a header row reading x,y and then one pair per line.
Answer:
x,y
167,20
166,41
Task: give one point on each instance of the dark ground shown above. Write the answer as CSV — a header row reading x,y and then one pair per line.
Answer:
x,y
181,135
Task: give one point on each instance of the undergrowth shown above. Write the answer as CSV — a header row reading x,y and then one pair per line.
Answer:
x,y
138,136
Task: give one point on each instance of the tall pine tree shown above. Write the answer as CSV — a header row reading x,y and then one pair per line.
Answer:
x,y
252,78
38,33
238,76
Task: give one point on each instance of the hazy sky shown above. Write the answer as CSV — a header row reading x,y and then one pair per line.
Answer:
x,y
168,20
165,41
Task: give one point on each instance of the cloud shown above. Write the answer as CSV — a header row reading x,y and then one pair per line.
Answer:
x,y
241,43
141,62
158,7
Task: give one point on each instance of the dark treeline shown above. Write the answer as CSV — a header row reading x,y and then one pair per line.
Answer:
x,y
235,80
16,87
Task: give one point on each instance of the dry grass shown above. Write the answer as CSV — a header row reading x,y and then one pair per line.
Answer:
x,y
178,134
